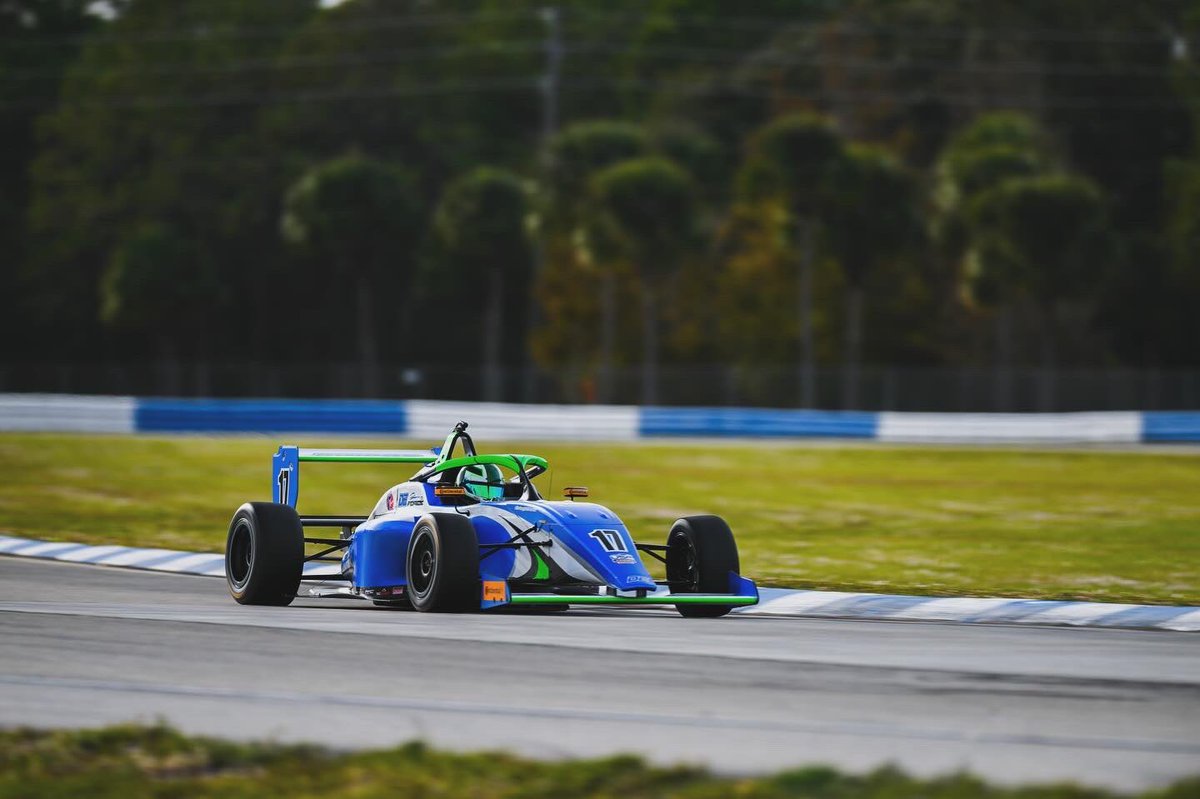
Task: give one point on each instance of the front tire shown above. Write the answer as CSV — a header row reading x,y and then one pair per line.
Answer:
x,y
701,553
264,554
442,566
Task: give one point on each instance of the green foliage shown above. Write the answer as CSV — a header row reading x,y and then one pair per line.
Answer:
x,y
1183,221
483,250
1040,237
30,74
127,146
585,148
363,218
998,129
648,208
872,212
153,282
791,160
992,149
189,120
481,221
358,213
159,762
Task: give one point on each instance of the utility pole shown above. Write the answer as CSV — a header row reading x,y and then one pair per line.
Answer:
x,y
549,83
548,86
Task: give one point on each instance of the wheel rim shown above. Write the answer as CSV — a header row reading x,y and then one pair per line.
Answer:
x,y
241,553
422,564
683,565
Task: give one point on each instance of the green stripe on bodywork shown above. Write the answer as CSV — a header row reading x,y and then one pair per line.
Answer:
x,y
657,599
515,462
543,568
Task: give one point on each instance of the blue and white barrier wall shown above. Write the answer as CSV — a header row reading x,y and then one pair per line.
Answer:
x,y
429,419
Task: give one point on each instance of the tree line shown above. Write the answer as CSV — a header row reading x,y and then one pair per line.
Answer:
x,y
583,189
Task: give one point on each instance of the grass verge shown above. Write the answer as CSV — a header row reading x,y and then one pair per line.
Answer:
x,y
1054,524
130,761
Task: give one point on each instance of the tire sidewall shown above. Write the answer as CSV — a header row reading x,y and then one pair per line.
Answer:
x,y
243,525
426,600
716,555
274,537
454,584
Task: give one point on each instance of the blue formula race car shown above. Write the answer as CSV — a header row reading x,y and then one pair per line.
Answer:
x,y
472,533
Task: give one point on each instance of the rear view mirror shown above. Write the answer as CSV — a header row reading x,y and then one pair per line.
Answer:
x,y
571,492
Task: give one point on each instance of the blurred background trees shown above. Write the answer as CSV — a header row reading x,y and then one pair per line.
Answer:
x,y
646,208
579,190
357,221
481,226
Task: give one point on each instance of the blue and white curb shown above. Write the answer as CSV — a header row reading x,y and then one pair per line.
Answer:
x,y
205,564
774,601
996,610
425,419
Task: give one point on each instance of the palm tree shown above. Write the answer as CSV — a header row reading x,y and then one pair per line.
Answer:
x,y
648,211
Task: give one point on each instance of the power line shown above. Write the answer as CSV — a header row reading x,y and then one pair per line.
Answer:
x,y
286,63
834,26
679,54
204,32
489,84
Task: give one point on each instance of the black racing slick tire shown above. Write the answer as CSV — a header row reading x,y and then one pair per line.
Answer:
x,y
442,566
264,554
701,553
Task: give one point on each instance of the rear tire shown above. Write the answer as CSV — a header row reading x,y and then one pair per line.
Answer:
x,y
701,553
264,554
442,565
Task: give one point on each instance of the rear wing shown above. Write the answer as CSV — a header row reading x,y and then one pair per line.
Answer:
x,y
285,465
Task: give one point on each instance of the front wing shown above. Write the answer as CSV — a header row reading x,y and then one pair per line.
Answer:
x,y
497,593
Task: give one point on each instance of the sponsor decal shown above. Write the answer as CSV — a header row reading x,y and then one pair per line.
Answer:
x,y
623,558
416,499
391,501
638,579
284,482
401,499
610,540
493,591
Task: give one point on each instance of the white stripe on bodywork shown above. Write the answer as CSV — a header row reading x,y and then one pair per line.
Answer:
x,y
560,553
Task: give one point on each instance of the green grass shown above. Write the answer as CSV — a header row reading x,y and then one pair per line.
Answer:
x,y
1115,526
128,762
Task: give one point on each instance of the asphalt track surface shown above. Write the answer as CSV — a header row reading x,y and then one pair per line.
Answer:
x,y
87,646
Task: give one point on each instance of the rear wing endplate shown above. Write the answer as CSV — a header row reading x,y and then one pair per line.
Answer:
x,y
285,466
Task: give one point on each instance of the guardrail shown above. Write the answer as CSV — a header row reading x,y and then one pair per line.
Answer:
x,y
426,419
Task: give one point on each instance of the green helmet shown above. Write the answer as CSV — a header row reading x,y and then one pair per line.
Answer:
x,y
483,480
